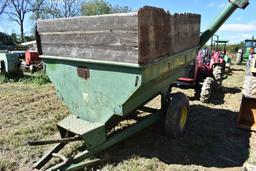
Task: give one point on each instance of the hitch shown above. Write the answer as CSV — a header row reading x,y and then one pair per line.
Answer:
x,y
46,142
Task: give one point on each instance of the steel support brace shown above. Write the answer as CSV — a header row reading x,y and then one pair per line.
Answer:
x,y
48,156
75,163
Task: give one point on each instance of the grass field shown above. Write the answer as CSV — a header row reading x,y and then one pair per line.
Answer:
x,y
212,141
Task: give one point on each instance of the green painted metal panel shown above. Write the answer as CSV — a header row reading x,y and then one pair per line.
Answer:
x,y
101,95
93,133
158,76
11,62
247,53
112,89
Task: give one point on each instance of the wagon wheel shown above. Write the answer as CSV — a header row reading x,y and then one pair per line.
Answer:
x,y
206,90
176,116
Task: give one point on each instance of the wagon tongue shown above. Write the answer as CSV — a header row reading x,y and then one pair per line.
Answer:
x,y
46,142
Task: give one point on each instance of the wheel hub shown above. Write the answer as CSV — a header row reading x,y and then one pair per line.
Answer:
x,y
184,114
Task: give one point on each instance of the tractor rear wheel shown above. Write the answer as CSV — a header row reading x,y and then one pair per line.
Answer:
x,y
206,90
218,76
176,116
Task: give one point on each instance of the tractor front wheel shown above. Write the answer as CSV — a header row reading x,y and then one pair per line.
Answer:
x,y
218,76
206,90
176,116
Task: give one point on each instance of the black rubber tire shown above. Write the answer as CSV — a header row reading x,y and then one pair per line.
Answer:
x,y
218,76
173,115
249,87
2,67
206,90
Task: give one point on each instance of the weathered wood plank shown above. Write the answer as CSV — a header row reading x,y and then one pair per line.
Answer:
x,y
154,28
139,37
115,38
102,22
105,53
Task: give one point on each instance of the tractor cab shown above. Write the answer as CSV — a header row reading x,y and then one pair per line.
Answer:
x,y
221,45
249,47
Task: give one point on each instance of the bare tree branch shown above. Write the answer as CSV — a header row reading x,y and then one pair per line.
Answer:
x,y
63,8
16,11
3,5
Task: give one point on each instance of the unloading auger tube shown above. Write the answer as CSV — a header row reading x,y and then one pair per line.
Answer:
x,y
223,16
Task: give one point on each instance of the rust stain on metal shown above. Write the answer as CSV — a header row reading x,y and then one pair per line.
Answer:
x,y
83,72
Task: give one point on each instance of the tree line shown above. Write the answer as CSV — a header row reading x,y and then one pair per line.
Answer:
x,y
17,10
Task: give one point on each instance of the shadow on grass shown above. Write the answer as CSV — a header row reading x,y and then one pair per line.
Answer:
x,y
217,96
234,69
211,140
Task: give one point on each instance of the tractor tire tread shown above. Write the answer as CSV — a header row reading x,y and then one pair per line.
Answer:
x,y
218,76
206,90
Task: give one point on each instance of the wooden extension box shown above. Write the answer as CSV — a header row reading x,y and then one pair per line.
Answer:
x,y
138,37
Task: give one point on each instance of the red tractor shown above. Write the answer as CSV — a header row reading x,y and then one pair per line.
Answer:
x,y
208,67
32,61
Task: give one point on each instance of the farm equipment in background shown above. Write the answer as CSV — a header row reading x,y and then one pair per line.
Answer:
x,y
239,56
97,92
15,61
249,46
9,58
247,115
32,62
207,67
9,63
221,45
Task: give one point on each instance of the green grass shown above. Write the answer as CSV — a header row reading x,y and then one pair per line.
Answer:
x,y
27,112
40,79
3,79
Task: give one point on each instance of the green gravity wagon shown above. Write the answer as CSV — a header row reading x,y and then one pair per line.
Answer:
x,y
106,67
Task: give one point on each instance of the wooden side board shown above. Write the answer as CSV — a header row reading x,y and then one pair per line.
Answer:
x,y
103,52
139,37
154,28
124,21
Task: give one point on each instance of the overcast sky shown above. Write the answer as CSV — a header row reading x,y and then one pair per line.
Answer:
x,y
239,26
